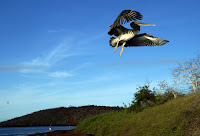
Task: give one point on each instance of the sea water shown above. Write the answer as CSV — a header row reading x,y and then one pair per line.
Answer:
x,y
25,131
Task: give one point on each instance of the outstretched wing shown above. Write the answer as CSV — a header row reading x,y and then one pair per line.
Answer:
x,y
116,31
126,16
145,40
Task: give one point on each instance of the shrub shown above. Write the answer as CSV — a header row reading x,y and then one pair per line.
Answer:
x,y
143,99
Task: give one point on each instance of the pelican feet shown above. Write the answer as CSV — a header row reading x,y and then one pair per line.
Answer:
x,y
116,46
122,48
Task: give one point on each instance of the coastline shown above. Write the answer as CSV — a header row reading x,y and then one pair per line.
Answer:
x,y
61,133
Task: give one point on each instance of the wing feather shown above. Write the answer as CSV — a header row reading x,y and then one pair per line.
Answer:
x,y
126,16
145,40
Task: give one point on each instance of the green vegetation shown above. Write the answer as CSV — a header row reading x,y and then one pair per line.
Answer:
x,y
177,117
145,98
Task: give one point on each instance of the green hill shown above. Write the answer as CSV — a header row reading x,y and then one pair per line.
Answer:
x,y
58,116
178,117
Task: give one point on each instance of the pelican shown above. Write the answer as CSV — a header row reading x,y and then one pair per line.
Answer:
x,y
136,40
121,32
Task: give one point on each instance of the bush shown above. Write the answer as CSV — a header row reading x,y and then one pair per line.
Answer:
x,y
143,99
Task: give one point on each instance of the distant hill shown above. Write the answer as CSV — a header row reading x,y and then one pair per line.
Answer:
x,y
58,116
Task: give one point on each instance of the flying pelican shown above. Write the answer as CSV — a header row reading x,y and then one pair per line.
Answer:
x,y
121,32
137,40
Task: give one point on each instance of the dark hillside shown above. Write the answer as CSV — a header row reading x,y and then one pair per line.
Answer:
x,y
58,116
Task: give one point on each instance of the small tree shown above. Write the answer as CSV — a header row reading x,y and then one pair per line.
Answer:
x,y
163,85
142,99
188,73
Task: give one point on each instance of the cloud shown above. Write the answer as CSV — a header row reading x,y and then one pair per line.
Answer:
x,y
95,79
84,65
59,53
53,56
10,67
58,74
50,58
91,38
138,63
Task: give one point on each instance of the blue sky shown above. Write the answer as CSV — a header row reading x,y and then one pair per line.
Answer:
x,y
57,53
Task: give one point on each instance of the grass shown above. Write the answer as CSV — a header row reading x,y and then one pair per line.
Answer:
x,y
178,117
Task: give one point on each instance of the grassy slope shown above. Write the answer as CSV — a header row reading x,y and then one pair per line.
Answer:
x,y
174,118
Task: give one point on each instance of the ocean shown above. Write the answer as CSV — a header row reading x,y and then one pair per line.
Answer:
x,y
25,131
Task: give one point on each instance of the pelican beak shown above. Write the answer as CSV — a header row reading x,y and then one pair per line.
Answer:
x,y
144,24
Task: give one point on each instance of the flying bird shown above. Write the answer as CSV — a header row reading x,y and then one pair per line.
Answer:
x,y
123,34
125,37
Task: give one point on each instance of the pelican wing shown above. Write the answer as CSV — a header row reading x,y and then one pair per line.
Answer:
x,y
126,16
118,30
145,40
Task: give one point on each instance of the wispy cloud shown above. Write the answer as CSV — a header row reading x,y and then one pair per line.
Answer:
x,y
84,65
138,63
95,79
60,53
91,38
10,67
59,74
50,58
